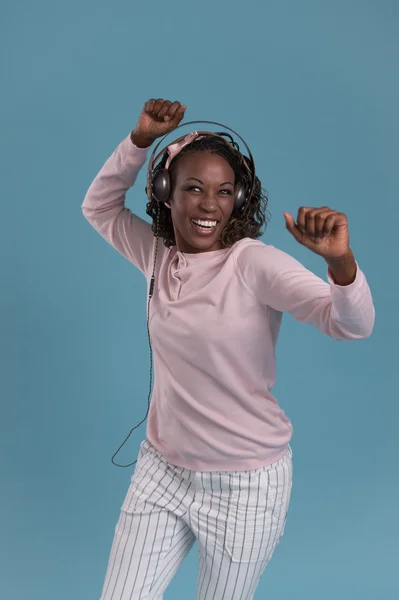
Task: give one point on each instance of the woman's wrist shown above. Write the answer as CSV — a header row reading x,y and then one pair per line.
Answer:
x,y
141,141
343,269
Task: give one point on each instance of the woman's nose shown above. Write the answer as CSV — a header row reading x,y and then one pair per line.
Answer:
x,y
209,200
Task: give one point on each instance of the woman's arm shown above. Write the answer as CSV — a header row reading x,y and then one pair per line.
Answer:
x,y
104,205
278,280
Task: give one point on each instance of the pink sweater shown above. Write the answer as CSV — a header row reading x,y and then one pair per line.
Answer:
x,y
214,322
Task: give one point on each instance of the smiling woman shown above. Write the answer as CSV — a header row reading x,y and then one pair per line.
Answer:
x,y
216,464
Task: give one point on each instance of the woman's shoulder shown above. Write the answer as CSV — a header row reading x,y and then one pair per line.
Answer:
x,y
255,256
249,249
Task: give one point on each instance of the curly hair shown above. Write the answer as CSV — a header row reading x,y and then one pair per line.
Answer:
x,y
248,221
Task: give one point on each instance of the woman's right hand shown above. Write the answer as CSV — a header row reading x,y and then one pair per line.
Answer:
x,y
157,118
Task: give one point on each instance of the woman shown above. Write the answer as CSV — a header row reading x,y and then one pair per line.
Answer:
x,y
216,465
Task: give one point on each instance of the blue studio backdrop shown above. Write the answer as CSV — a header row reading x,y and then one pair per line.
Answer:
x,y
312,86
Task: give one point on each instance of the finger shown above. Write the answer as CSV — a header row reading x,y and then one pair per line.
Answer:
x,y
301,218
330,221
293,227
307,219
329,224
157,107
164,109
178,117
320,219
335,221
310,224
172,110
180,114
149,105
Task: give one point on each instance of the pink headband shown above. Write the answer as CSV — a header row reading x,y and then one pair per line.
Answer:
x,y
177,147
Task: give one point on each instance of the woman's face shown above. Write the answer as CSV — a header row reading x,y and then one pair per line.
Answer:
x,y
202,190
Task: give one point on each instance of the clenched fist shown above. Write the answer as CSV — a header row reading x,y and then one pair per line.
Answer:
x,y
322,230
157,118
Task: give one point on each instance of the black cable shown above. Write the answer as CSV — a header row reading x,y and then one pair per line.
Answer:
x,y
149,342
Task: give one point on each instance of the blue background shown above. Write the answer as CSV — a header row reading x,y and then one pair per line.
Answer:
x,y
313,87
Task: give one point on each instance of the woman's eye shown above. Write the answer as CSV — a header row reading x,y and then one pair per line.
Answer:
x,y
195,188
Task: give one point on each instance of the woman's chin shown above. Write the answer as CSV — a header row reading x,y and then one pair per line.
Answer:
x,y
197,243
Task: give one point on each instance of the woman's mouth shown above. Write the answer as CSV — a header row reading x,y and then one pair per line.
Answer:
x,y
204,227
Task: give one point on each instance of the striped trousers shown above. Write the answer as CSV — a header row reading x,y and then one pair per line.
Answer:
x,y
237,518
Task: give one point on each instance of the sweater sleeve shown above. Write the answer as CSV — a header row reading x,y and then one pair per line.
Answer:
x,y
278,280
104,206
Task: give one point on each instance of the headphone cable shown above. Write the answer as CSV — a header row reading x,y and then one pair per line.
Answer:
x,y
152,282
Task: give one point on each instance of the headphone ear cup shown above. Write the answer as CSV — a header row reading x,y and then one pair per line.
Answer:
x,y
239,196
161,186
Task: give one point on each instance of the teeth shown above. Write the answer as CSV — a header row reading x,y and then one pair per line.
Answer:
x,y
208,224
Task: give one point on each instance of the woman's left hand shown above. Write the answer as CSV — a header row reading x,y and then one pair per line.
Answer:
x,y
322,230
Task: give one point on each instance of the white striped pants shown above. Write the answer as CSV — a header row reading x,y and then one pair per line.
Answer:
x,y
237,517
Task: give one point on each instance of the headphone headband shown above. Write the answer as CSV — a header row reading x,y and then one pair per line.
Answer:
x,y
154,157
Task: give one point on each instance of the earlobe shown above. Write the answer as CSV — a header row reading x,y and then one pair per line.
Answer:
x,y
167,204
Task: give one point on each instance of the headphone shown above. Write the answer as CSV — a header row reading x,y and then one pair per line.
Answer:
x,y
158,187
